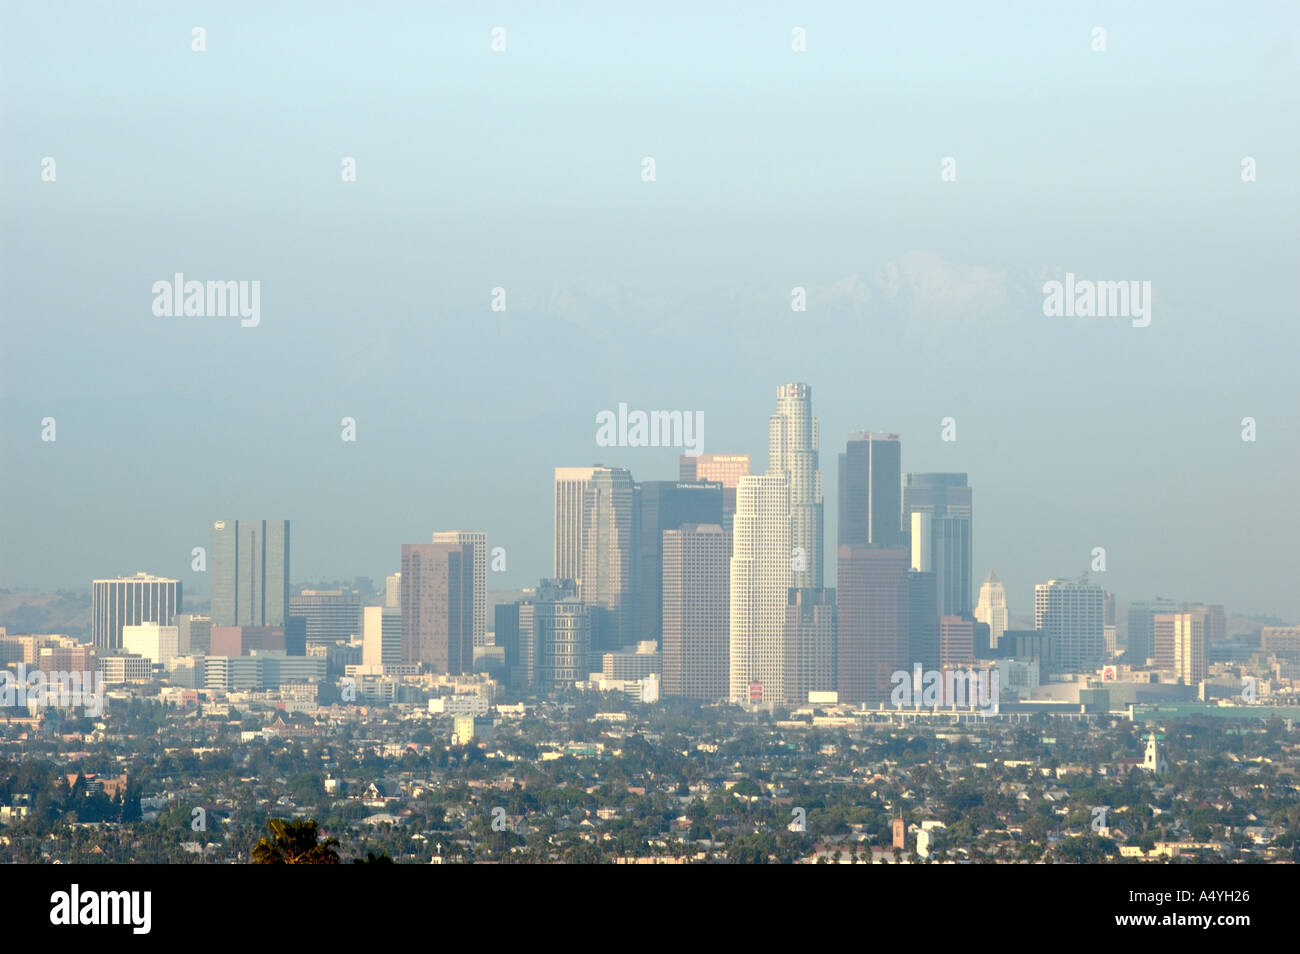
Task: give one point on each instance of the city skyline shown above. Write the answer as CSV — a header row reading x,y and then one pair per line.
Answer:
x,y
577,477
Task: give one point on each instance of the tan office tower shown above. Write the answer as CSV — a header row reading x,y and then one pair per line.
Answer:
x,y
695,612
1162,640
1192,636
792,451
760,584
477,540
438,606
393,590
570,486
992,606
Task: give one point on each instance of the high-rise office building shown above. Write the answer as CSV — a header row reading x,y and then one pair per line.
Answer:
x,y
610,521
956,642
666,505
1216,621
992,608
696,608
1162,640
759,589
559,633
130,601
922,621
381,637
570,495
874,615
438,606
1191,637
393,590
792,443
809,643
1071,613
331,615
870,490
1141,629
506,633
945,499
1181,639
567,626
250,572
477,540
726,469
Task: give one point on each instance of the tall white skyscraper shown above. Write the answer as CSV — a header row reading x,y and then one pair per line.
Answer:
x,y
570,490
1071,613
476,540
992,607
761,578
792,451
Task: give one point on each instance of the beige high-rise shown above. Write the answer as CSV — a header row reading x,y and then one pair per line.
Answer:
x,y
477,541
570,487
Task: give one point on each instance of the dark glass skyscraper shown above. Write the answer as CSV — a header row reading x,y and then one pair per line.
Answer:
x,y
666,505
870,490
250,572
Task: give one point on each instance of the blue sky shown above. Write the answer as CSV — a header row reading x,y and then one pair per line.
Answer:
x,y
521,169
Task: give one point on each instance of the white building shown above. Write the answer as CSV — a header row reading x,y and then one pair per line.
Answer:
x,y
761,578
1154,760
476,540
158,644
1071,613
992,608
792,451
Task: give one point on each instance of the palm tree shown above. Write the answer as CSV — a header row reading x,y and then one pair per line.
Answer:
x,y
295,843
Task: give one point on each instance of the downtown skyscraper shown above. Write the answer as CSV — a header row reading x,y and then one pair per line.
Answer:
x,y
992,608
570,490
437,613
250,572
695,644
760,582
476,540
610,557
792,451
874,621
937,518
664,505
870,490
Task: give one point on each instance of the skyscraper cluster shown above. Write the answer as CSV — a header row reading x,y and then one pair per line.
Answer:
x,y
713,583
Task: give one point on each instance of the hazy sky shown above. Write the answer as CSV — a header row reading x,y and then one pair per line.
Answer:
x,y
522,169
